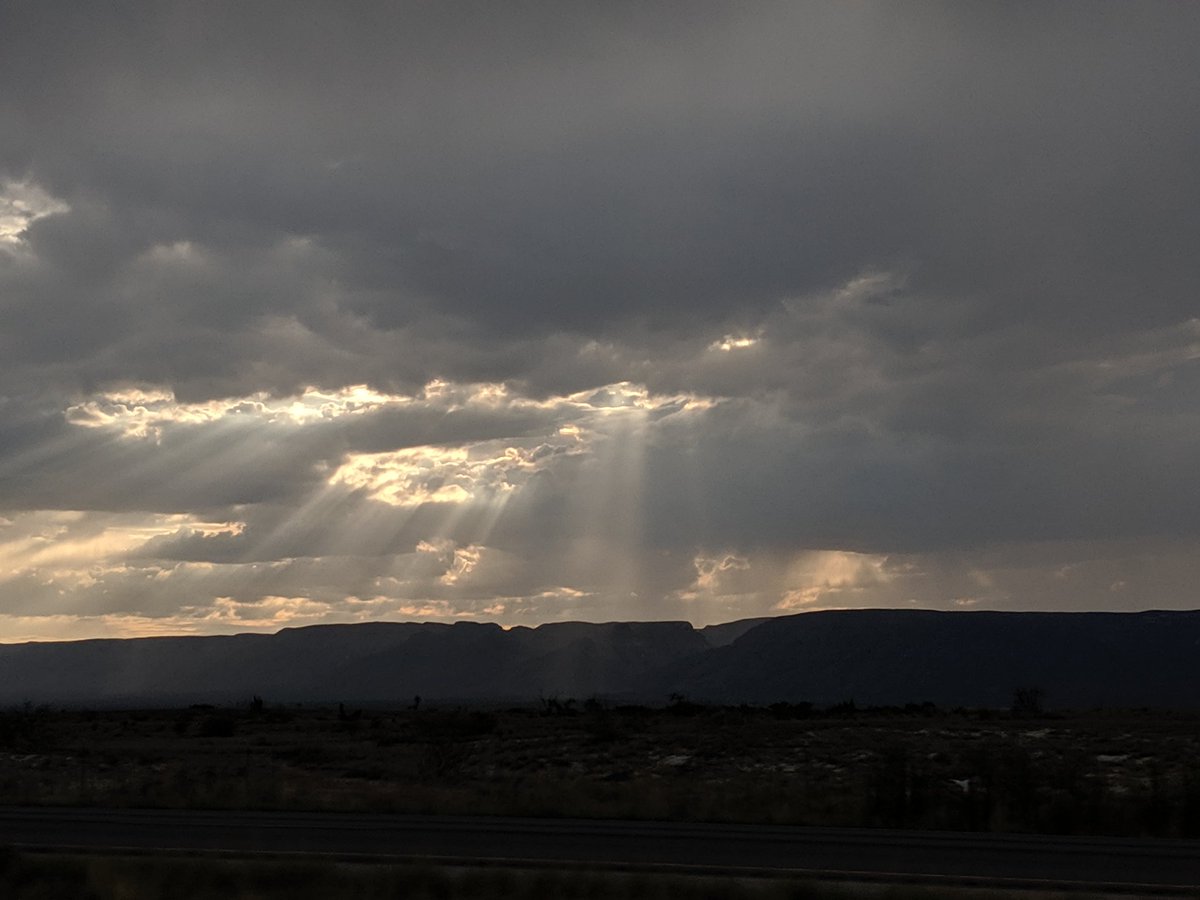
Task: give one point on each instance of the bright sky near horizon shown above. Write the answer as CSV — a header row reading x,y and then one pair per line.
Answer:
x,y
324,312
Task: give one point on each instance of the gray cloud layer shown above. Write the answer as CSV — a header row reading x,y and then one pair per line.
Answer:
x,y
927,273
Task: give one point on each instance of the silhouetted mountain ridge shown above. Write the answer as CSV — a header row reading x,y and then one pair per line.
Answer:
x,y
875,657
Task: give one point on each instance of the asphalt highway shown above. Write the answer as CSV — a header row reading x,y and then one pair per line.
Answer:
x,y
738,849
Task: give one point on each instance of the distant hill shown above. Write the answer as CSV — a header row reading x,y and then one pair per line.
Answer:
x,y
874,657
884,657
728,632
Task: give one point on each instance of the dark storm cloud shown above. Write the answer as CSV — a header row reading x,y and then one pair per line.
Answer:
x,y
569,168
931,265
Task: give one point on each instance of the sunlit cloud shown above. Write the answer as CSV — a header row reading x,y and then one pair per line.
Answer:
x,y
772,582
21,204
870,286
463,564
395,532
731,342
419,475
145,412
268,612
60,542
832,578
713,576
71,626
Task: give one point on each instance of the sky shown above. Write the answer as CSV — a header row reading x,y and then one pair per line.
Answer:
x,y
334,312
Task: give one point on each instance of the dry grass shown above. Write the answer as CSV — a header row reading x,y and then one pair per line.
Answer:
x,y
1116,773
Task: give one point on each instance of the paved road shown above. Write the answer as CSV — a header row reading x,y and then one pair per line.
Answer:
x,y
867,852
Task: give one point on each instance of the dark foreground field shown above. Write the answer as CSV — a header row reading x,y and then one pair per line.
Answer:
x,y
27,876
1128,773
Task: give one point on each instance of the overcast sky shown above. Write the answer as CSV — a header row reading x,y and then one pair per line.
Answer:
x,y
537,311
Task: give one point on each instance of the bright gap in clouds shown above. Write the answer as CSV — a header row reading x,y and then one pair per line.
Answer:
x,y
379,534
731,342
21,204
478,500
140,412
